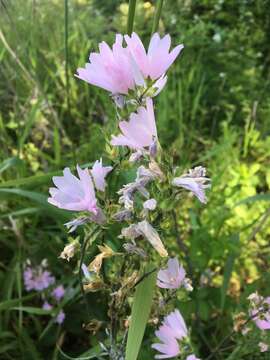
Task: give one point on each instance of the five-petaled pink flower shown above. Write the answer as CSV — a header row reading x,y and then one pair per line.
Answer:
x,y
99,173
158,59
140,131
72,193
172,277
110,69
172,329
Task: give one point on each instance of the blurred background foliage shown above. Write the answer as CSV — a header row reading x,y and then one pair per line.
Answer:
x,y
215,111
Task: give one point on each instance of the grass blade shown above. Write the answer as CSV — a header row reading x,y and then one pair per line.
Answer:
x,y
140,314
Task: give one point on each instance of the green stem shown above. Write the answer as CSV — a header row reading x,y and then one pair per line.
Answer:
x,y
66,54
131,14
157,16
83,249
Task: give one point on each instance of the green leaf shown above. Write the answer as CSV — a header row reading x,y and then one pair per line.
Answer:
x,y
228,272
38,198
140,314
13,161
33,310
251,199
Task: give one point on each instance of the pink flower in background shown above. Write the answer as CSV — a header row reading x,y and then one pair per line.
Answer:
x,y
47,306
37,278
195,181
99,173
140,131
60,317
58,292
263,319
172,329
158,59
72,193
110,69
192,357
172,277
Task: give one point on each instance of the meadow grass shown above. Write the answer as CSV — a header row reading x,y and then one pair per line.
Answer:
x,y
215,111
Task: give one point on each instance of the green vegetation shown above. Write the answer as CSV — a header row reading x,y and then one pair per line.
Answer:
x,y
214,111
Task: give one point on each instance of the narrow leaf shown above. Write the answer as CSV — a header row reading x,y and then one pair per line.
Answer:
x,y
140,314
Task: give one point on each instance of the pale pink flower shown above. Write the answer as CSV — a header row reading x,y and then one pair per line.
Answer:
x,y
194,181
263,319
158,59
110,69
168,347
58,292
177,324
172,329
172,277
72,193
140,131
47,306
192,357
60,317
99,172
37,278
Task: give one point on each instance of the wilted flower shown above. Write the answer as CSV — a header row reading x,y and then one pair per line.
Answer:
x,y
110,69
37,278
194,181
122,215
144,176
146,230
72,193
92,282
73,224
69,250
99,173
172,329
134,249
58,292
157,60
263,347
105,252
172,277
140,131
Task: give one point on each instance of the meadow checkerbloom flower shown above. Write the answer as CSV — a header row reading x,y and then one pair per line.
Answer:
x,y
140,131
172,329
110,69
72,193
172,277
158,59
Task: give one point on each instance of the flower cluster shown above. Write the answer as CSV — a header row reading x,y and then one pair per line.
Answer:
x,y
133,76
39,279
123,69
